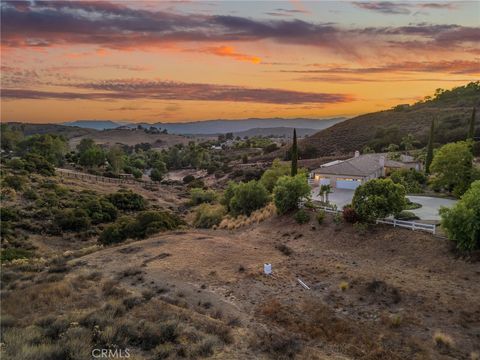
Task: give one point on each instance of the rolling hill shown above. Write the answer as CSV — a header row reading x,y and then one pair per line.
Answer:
x,y
210,127
451,110
286,132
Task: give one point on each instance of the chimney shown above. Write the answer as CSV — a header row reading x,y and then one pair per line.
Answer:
x,y
381,160
357,153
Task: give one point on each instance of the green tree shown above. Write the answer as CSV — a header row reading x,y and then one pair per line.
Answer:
x,y
411,179
429,156
270,176
85,144
248,197
452,167
92,157
51,147
158,171
115,157
9,137
289,191
462,221
377,199
228,194
408,142
471,126
367,150
294,154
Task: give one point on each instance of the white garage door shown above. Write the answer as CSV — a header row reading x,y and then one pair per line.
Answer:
x,y
324,181
348,184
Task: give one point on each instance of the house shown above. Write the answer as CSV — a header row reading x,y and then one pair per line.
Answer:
x,y
351,173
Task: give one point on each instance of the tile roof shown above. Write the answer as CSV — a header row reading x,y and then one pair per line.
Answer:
x,y
362,165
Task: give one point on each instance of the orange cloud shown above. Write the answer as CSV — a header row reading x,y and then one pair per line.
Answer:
x,y
229,51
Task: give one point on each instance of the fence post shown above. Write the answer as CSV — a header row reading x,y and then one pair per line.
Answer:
x,y
394,222
434,228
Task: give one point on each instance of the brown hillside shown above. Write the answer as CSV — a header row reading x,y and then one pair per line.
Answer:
x,y
356,133
451,110
131,137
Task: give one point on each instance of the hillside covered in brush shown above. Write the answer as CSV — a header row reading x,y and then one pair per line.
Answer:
x,y
451,110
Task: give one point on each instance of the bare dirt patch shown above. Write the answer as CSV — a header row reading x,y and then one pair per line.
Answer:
x,y
381,295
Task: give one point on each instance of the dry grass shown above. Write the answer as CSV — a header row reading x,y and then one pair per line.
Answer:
x,y
443,340
344,286
231,223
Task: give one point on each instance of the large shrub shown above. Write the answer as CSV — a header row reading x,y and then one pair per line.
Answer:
x,y
16,182
462,221
101,210
207,215
144,224
289,191
248,197
271,176
37,163
72,219
378,198
452,167
302,216
199,196
411,179
127,200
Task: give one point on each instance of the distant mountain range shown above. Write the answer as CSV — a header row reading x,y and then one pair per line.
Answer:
x,y
210,127
286,132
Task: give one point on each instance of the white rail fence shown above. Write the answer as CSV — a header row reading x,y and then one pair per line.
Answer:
x,y
412,225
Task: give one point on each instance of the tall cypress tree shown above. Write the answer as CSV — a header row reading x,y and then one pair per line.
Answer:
x,y
429,158
294,153
471,127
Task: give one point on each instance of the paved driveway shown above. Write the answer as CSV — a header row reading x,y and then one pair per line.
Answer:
x,y
430,206
428,211
339,197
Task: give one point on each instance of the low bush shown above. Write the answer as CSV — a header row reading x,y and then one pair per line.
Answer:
x,y
207,215
188,179
9,214
411,205
30,194
10,254
320,216
350,215
338,219
199,196
144,224
15,182
127,200
406,215
302,216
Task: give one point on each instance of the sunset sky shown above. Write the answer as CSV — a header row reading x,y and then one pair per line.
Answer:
x,y
143,61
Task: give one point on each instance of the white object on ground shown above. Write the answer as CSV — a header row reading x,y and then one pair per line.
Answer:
x,y
267,268
305,286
